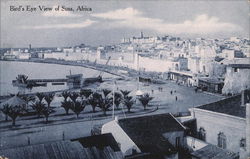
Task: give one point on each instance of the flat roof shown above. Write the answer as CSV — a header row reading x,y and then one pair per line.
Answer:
x,y
214,152
246,66
211,80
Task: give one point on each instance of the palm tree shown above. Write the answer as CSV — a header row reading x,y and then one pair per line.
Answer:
x,y
40,96
125,93
106,92
14,112
27,98
5,110
48,98
93,100
145,99
73,96
38,107
78,107
65,95
117,99
128,102
85,92
67,105
105,103
46,112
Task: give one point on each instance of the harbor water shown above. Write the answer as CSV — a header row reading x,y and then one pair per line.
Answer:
x,y
9,70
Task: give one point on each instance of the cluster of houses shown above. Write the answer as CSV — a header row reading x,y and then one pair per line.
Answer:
x,y
210,64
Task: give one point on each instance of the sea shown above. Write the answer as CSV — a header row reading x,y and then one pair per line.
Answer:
x,y
9,70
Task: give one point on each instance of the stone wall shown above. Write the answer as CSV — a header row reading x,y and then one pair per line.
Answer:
x,y
215,123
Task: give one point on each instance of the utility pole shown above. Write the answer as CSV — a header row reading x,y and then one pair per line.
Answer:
x,y
113,111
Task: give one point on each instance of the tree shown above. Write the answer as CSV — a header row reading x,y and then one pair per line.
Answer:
x,y
14,112
105,103
85,92
73,96
48,98
5,110
65,95
78,107
106,92
27,98
46,112
128,102
67,105
38,107
93,100
125,93
145,99
117,99
40,96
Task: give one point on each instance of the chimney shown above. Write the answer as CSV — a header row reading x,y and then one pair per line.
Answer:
x,y
116,119
248,128
242,98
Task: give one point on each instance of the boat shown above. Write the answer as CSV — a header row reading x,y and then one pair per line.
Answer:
x,y
57,83
93,80
22,81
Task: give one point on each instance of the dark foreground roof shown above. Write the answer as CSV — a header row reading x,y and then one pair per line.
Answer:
x,y
55,150
146,132
99,141
230,106
214,152
60,150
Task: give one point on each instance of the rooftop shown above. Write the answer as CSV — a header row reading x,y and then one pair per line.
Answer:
x,y
214,152
210,80
243,66
62,149
99,141
146,132
46,151
230,106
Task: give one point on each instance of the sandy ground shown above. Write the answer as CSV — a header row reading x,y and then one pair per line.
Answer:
x,y
37,131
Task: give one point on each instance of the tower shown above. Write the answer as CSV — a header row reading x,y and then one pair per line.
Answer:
x,y
29,47
141,34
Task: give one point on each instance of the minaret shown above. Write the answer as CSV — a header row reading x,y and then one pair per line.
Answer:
x,y
29,47
141,34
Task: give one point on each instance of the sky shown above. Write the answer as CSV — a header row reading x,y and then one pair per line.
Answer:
x,y
110,21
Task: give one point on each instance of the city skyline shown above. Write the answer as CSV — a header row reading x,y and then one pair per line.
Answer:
x,y
109,22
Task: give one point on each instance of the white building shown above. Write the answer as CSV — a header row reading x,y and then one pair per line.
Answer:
x,y
237,78
225,123
231,54
24,56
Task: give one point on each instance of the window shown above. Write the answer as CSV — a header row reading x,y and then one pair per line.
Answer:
x,y
222,140
202,134
236,70
243,143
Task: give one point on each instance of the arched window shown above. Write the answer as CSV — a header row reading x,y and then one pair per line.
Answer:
x,y
222,140
243,143
202,134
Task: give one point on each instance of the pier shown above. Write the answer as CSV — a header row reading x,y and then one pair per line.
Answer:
x,y
44,80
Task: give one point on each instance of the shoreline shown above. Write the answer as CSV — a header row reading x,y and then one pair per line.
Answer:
x,y
85,64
